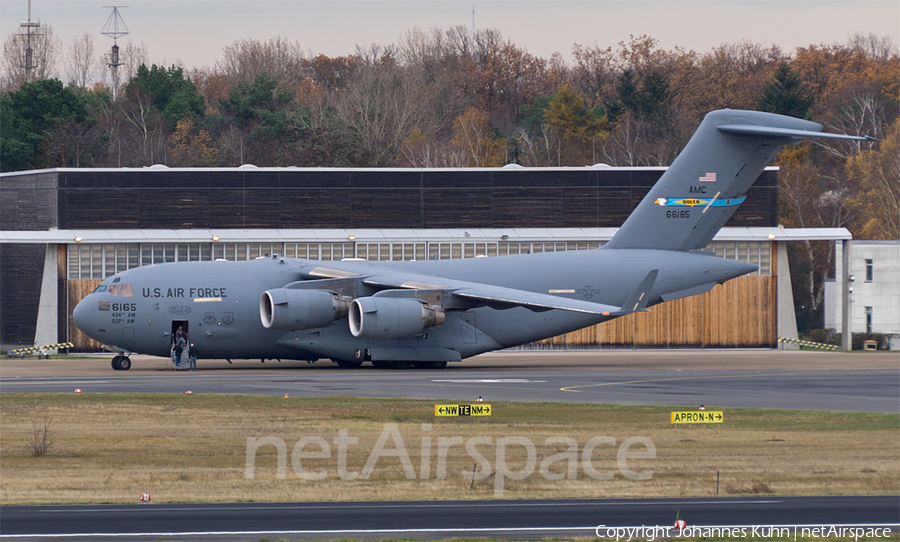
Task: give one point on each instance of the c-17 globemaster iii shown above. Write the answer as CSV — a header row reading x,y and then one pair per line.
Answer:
x,y
426,313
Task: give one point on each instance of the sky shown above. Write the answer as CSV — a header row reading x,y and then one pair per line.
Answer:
x,y
193,33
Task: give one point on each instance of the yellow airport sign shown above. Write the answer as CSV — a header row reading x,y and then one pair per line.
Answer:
x,y
480,409
698,416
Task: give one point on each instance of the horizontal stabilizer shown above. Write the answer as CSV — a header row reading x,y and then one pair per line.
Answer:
x,y
768,131
696,290
638,300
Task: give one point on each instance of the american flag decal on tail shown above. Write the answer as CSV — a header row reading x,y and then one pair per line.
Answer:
x,y
708,178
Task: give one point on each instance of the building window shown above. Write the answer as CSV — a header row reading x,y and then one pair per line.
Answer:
x,y
96,261
868,319
758,252
870,270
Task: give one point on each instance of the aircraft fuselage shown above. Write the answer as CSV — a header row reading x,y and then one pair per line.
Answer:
x,y
217,303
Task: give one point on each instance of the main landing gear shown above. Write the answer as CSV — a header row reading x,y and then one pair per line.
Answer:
x,y
121,363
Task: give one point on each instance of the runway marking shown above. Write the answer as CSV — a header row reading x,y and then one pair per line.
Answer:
x,y
572,388
467,530
291,506
490,381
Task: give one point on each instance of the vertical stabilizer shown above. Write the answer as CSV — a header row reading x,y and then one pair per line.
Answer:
x,y
709,179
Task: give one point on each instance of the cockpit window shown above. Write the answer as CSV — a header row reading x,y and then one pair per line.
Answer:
x,y
127,291
114,289
117,279
100,288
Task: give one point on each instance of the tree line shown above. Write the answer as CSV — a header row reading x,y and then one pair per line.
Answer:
x,y
454,98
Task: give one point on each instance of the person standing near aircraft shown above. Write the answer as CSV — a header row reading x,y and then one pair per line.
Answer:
x,y
193,352
177,351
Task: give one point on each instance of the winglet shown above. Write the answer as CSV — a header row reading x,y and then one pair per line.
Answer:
x,y
637,302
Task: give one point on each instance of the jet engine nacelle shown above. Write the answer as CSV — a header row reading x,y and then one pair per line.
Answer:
x,y
290,310
391,318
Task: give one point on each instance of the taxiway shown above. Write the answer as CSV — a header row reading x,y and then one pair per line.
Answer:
x,y
445,519
728,379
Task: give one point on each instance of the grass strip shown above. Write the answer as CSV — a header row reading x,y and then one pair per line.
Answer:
x,y
114,447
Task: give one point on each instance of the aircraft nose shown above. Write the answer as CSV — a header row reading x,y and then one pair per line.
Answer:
x,y
83,316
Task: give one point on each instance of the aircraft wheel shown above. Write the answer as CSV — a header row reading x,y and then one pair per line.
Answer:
x,y
121,363
401,365
348,364
430,364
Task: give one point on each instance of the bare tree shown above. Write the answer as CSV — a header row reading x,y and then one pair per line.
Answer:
x,y
41,438
875,46
860,113
595,73
82,66
731,75
45,55
382,107
279,58
424,152
143,136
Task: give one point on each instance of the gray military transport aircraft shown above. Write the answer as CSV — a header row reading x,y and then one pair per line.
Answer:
x,y
424,314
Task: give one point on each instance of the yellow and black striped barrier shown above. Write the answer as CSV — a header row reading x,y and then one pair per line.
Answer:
x,y
33,349
823,346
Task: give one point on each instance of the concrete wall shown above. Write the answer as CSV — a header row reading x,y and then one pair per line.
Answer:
x,y
27,203
882,294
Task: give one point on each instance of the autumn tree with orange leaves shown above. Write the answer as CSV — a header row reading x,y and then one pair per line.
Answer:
x,y
876,203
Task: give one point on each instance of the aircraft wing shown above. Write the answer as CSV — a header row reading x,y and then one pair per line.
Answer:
x,y
502,297
510,297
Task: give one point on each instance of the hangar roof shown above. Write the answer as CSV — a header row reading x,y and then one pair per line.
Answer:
x,y
250,167
363,234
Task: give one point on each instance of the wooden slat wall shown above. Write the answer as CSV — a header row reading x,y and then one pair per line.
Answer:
x,y
77,290
739,313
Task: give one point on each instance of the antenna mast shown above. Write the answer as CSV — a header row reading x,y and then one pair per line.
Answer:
x,y
115,28
473,21
28,26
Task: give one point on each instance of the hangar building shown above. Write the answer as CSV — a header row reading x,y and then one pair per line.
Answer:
x,y
64,230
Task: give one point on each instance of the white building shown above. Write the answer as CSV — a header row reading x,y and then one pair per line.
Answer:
x,y
875,288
